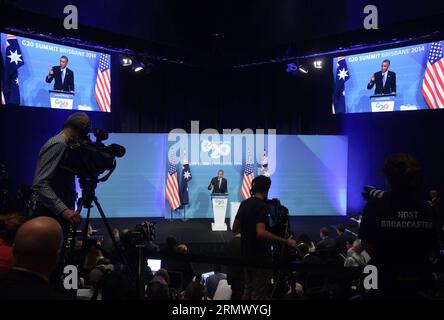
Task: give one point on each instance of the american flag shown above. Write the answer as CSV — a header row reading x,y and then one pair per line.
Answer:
x,y
172,187
102,90
248,177
433,82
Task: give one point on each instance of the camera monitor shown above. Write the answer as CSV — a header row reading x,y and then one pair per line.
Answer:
x,y
154,264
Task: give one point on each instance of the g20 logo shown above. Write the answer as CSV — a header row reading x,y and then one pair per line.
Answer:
x,y
216,149
382,106
61,103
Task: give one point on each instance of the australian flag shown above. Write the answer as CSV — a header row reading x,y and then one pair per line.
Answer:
x,y
183,190
341,77
13,60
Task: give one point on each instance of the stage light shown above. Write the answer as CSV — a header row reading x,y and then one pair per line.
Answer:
x,y
317,64
126,61
138,66
296,67
303,69
291,67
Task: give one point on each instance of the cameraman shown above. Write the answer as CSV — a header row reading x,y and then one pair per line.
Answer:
x,y
397,230
253,224
54,185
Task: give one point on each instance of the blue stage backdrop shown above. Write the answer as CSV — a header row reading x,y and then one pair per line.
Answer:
x,y
409,64
309,173
34,58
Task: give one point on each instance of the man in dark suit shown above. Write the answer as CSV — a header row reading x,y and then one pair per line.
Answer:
x,y
219,183
385,80
326,243
62,76
36,251
343,239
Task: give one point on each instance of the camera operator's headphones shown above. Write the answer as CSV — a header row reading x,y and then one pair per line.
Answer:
x,y
260,184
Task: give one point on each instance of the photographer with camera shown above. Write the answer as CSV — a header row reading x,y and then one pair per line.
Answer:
x,y
252,222
54,184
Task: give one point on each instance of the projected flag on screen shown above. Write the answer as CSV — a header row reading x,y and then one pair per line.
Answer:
x,y
248,177
102,90
13,61
172,187
433,82
339,91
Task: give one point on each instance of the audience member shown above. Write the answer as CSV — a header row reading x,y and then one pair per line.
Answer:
x,y
9,224
326,243
158,288
356,255
195,291
304,238
344,237
174,263
307,256
36,252
213,280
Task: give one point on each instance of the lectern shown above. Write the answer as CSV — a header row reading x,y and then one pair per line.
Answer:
x,y
219,201
383,102
61,99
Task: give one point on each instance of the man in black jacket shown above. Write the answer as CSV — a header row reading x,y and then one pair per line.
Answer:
x,y
398,232
37,248
62,76
326,243
219,183
384,80
343,239
252,222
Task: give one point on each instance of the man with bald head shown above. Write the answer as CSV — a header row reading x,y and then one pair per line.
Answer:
x,y
36,250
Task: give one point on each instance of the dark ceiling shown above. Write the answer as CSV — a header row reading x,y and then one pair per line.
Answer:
x,y
245,28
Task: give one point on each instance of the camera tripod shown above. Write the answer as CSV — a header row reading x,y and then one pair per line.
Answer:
x,y
87,200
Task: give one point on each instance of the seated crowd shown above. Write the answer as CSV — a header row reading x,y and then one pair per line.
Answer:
x,y
399,233
30,251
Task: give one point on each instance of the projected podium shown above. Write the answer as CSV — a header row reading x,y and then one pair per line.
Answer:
x,y
61,99
219,202
383,102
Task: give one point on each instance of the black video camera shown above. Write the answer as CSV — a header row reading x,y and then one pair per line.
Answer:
x,y
370,192
279,217
88,159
